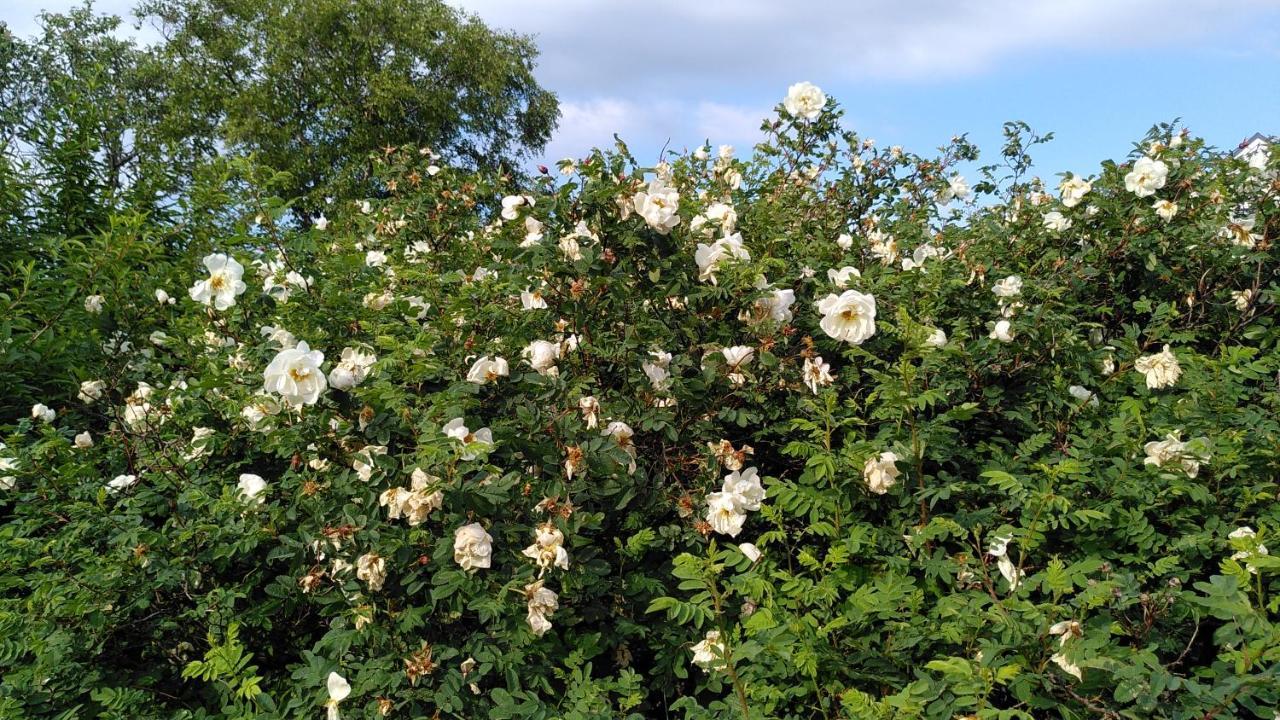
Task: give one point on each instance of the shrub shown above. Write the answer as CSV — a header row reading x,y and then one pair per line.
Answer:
x,y
821,432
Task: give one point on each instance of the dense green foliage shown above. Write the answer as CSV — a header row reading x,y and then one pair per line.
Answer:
x,y
1035,546
1016,444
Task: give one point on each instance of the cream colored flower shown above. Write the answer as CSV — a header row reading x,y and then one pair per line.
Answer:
x,y
745,488
849,316
590,408
91,391
1002,330
1073,190
223,284
251,488
542,356
711,653
750,551
472,547
736,357
881,473
488,369
710,257
817,373
352,369
1146,177
659,206
43,413
542,602
295,375
547,549
1161,369
1008,287
83,441
481,440
1065,631
1056,221
805,101
1165,209
372,569
841,278
338,689
724,514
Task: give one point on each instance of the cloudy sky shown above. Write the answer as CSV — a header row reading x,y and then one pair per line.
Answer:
x,y
1097,73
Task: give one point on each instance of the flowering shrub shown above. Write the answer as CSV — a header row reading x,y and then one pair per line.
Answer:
x,y
823,431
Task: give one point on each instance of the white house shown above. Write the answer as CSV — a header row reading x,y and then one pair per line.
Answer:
x,y
1256,150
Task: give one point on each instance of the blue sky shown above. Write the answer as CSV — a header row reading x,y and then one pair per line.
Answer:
x,y
1097,73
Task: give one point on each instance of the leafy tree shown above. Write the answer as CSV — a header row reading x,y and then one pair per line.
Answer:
x,y
311,86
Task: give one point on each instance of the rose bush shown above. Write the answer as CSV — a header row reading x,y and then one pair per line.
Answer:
x,y
822,431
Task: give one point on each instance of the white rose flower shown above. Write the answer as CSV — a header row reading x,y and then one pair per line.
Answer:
x,y
223,284
481,439
736,357
363,462
805,101
532,300
43,413
590,408
295,375
957,189
84,440
372,569
1073,190
745,489
1242,298
840,278
817,373
1008,287
163,298
883,246
1056,221
91,391
844,241
710,257
488,369
1161,369
352,369
750,551
724,514
1173,451
547,549
1083,394
777,305
1165,209
1252,549
937,338
251,488
94,304
278,335
122,482
658,206
1065,631
542,602
849,316
472,547
711,653
1002,330
542,356
338,689
1146,177
881,473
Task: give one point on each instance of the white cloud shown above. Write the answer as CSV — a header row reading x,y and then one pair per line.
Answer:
x,y
713,47
717,67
